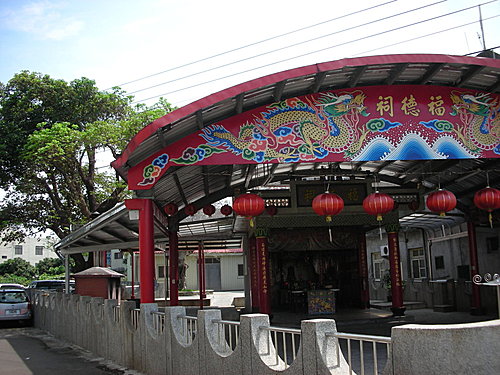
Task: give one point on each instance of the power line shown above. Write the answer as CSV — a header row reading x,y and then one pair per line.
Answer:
x,y
285,47
316,51
256,43
430,34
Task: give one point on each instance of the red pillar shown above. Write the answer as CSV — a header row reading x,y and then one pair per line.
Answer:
x,y
146,246
173,241
201,273
474,269
263,271
254,278
396,283
363,272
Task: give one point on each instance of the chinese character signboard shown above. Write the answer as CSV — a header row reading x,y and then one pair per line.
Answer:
x,y
359,124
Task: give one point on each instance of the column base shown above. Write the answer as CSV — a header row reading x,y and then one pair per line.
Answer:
x,y
398,311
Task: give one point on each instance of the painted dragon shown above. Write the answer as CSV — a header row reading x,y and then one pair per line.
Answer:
x,y
481,116
294,130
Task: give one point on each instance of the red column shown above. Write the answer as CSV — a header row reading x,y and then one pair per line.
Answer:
x,y
263,271
173,242
254,278
396,283
133,274
201,276
363,272
474,269
146,246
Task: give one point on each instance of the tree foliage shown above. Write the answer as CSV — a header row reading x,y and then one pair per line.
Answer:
x,y
52,134
50,266
17,267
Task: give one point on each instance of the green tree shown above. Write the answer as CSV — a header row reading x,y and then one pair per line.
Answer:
x,y
17,267
49,266
52,134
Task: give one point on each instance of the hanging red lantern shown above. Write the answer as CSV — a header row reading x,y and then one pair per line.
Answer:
x,y
209,209
171,209
327,204
441,201
488,199
226,210
378,204
272,210
249,205
190,209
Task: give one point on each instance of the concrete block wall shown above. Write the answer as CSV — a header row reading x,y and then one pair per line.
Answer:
x,y
92,324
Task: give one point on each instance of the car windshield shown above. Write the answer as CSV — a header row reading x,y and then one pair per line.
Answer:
x,y
13,297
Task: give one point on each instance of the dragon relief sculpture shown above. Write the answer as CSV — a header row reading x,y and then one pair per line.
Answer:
x,y
294,130
481,117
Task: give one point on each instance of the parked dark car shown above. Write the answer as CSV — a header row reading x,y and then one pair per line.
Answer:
x,y
15,305
57,285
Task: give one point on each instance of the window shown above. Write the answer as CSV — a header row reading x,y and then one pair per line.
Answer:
x,y
439,261
38,250
161,271
241,270
417,263
18,249
119,255
377,266
4,256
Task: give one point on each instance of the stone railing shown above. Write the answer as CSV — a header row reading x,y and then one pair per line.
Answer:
x,y
155,342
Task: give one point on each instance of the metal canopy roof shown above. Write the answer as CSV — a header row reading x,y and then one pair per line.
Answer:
x,y
202,185
116,230
206,184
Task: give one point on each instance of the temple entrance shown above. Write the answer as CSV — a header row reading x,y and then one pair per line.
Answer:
x,y
306,263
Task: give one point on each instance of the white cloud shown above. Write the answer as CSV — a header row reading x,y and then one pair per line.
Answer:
x,y
44,19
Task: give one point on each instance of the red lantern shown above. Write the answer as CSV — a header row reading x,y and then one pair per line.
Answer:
x,y
209,209
441,201
226,210
249,205
171,209
272,210
378,204
190,209
327,204
488,199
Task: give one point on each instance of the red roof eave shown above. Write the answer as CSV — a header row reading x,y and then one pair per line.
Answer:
x,y
230,92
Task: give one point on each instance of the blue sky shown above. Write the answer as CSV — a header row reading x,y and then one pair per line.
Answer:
x,y
117,41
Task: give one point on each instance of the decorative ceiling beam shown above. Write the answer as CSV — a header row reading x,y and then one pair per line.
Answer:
x,y
318,81
179,188
278,90
239,103
494,87
249,174
469,74
229,177
271,173
113,234
127,227
431,73
356,76
396,73
199,119
206,187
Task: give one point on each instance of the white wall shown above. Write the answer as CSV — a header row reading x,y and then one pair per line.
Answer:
x,y
28,251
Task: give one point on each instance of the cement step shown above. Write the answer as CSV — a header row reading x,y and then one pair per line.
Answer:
x,y
444,308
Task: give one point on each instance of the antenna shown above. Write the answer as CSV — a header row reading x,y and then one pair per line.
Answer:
x,y
482,29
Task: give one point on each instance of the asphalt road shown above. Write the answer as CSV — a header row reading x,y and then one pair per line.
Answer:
x,y
29,351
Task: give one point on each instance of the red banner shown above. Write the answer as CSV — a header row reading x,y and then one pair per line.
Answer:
x,y
360,124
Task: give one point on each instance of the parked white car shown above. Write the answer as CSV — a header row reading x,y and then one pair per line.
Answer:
x,y
15,305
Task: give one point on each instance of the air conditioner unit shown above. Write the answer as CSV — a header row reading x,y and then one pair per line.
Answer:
x,y
384,251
